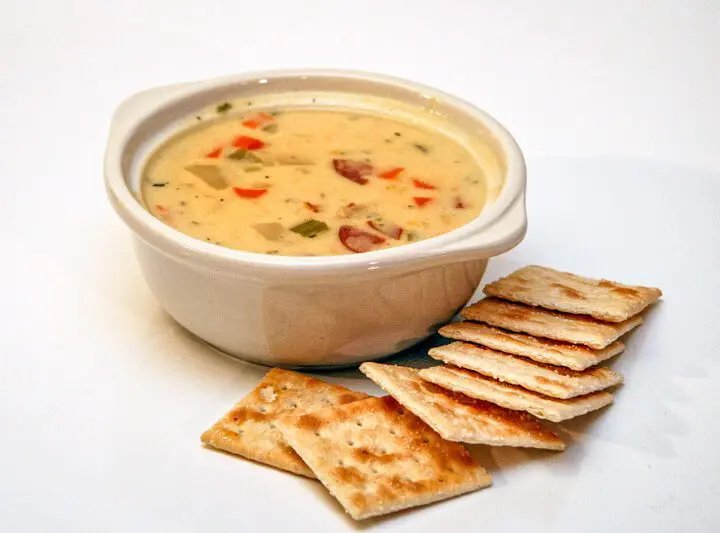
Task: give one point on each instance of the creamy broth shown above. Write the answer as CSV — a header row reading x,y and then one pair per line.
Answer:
x,y
312,182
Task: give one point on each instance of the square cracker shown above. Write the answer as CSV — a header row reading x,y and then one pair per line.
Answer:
x,y
555,381
575,329
249,428
574,356
513,397
457,417
562,291
377,458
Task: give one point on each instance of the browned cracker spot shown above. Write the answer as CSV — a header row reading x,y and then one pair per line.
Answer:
x,y
574,356
377,458
575,329
513,397
562,291
249,428
555,381
458,417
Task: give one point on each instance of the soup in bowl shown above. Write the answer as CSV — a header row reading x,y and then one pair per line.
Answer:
x,y
314,218
303,181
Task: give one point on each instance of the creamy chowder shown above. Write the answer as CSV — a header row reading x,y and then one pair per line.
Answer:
x,y
306,182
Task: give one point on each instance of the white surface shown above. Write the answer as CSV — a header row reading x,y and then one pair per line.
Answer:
x,y
102,398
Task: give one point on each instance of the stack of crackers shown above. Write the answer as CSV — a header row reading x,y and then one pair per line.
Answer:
x,y
515,363
534,344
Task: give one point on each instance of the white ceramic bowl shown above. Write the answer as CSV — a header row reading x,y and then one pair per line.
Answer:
x,y
309,311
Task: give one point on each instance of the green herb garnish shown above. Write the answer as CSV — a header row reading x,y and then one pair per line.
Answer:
x,y
310,228
270,128
253,158
224,107
410,236
238,154
424,149
160,184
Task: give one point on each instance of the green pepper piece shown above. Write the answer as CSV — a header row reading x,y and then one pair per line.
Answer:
x,y
310,228
238,154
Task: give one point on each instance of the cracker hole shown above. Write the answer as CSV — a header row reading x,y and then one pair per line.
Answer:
x,y
401,411
272,425
317,433
262,409
236,419
350,443
341,462
441,480
373,470
284,387
392,432
359,424
293,405
425,440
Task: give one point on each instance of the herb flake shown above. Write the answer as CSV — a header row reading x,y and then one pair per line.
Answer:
x,y
224,107
424,149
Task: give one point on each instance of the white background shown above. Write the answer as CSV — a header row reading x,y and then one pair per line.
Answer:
x,y
102,398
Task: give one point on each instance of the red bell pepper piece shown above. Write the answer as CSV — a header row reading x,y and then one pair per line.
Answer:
x,y
248,143
391,174
423,185
249,193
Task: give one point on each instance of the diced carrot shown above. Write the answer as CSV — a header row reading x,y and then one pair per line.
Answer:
x,y
391,174
252,124
161,208
422,185
422,201
249,193
265,117
248,143
215,153
312,207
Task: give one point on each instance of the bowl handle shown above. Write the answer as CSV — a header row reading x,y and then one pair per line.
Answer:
x,y
499,237
137,105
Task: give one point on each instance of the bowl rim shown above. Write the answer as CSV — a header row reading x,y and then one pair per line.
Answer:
x,y
176,243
